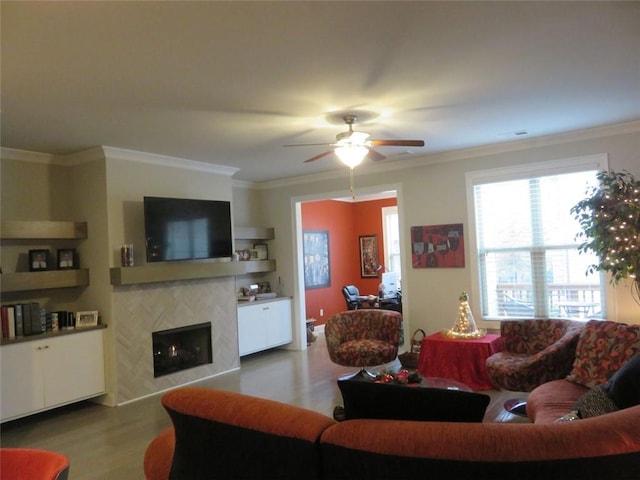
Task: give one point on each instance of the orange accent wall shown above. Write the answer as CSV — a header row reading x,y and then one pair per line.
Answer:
x,y
345,222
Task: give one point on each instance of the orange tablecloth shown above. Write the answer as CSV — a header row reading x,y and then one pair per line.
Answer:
x,y
461,360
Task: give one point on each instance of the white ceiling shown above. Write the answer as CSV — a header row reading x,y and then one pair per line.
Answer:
x,y
231,82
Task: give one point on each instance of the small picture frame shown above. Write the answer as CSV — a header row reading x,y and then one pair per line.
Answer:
x,y
87,319
67,259
38,260
262,249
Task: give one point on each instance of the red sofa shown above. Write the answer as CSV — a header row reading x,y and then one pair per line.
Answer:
x,y
218,434
603,348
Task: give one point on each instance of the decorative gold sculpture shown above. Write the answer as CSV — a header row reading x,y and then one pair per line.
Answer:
x,y
465,326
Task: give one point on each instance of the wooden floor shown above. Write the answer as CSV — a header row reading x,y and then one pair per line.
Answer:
x,y
109,443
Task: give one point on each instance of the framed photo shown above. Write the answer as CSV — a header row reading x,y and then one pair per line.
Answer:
x,y
368,256
315,248
67,259
438,246
263,251
38,260
87,319
264,287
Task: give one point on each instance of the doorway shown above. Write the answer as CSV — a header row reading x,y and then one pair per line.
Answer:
x,y
344,250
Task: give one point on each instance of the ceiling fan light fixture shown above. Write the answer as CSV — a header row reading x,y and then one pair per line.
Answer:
x,y
351,155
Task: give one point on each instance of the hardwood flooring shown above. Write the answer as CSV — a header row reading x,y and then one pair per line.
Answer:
x,y
109,443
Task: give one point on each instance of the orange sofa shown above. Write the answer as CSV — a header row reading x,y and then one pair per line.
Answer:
x,y
218,434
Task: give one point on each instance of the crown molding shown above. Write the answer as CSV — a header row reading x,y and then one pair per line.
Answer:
x,y
107,153
27,156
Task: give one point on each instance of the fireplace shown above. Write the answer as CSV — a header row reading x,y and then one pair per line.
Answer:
x,y
181,348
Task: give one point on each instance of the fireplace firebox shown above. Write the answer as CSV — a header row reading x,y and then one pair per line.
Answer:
x,y
181,348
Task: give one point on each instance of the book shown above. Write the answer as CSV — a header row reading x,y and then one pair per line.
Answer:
x,y
36,322
12,321
4,317
26,319
19,320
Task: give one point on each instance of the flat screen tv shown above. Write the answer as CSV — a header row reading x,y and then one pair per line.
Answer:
x,y
187,229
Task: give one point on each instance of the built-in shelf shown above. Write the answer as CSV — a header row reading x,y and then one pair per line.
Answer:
x,y
253,233
26,281
25,230
259,266
168,272
46,335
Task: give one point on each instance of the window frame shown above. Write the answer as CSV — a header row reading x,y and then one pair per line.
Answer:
x,y
511,173
386,212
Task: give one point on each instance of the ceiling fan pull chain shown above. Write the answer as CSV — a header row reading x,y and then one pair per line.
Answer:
x,y
353,194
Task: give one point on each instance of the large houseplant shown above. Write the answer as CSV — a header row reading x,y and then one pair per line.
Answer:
x,y
610,222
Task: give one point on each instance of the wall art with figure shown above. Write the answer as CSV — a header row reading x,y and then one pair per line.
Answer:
x,y
315,248
437,246
368,256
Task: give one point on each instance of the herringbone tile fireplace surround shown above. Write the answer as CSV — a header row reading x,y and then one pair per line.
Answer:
x,y
140,310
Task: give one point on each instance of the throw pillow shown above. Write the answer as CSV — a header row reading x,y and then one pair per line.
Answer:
x,y
603,347
624,387
594,403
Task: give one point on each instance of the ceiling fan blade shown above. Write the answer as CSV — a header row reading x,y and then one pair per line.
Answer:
x,y
375,156
324,154
397,143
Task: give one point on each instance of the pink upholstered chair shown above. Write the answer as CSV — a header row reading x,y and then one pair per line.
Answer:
x,y
27,463
361,338
535,351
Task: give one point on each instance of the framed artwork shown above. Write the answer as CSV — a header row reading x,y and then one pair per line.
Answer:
x,y
368,256
262,250
437,246
315,250
38,260
87,319
67,259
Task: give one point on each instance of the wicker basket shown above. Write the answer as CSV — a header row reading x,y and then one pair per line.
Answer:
x,y
409,359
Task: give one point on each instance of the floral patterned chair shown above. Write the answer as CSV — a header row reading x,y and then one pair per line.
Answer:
x,y
361,338
535,351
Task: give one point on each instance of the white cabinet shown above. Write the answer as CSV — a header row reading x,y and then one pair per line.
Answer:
x,y
264,325
41,374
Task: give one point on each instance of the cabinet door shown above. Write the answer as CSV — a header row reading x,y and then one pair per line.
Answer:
x,y
252,329
74,368
21,389
278,319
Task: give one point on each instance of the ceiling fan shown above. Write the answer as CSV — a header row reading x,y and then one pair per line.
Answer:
x,y
351,147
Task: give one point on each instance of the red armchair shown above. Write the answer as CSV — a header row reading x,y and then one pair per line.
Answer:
x,y
534,352
28,463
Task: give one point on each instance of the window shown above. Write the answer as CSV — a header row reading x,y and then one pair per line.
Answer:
x,y
527,262
391,235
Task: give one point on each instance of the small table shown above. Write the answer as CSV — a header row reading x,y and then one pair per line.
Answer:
x,y
577,309
463,360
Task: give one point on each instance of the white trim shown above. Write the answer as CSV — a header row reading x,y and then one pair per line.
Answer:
x,y
166,161
27,156
105,152
598,161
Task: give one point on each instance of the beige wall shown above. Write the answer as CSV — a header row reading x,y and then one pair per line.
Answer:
x,y
435,193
